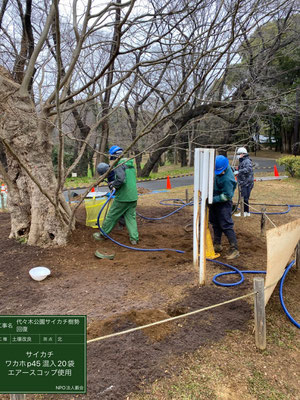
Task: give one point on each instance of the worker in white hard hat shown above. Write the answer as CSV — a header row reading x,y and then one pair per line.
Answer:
x,y
245,178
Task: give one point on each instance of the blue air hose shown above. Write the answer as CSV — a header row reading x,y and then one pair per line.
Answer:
x,y
168,215
281,295
163,202
123,245
273,213
289,206
235,270
241,274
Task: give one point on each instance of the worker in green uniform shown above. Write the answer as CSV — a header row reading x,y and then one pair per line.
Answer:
x,y
126,196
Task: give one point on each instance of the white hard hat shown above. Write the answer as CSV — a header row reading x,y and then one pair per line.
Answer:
x,y
242,150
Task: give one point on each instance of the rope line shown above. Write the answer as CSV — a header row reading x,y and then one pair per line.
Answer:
x,y
265,213
169,319
138,328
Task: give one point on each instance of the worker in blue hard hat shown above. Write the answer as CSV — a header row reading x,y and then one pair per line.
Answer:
x,y
220,211
125,201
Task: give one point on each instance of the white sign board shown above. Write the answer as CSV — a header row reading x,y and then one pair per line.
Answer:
x,y
203,189
281,243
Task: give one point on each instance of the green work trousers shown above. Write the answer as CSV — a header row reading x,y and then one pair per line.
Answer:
x,y
117,209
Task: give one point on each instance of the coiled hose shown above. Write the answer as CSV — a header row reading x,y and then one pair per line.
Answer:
x,y
289,206
281,295
235,270
171,213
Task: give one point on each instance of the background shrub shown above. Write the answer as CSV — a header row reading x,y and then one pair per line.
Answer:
x,y
291,164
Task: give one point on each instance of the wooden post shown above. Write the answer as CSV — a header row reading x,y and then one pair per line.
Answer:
x,y
18,397
259,313
186,195
196,212
263,221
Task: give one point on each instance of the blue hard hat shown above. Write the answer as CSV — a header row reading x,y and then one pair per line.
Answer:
x,y
221,164
115,150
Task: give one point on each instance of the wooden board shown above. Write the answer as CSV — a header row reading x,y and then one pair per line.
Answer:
x,y
281,243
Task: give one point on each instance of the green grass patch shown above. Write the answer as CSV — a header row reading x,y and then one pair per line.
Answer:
x,y
261,388
81,181
171,170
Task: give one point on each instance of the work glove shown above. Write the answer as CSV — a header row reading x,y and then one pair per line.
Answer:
x,y
110,185
236,172
223,197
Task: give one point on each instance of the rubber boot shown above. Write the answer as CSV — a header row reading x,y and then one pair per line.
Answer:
x,y
99,236
233,252
218,247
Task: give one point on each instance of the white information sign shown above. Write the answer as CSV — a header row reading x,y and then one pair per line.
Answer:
x,y
203,194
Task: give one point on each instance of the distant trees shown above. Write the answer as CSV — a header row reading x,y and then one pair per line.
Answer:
x,y
270,62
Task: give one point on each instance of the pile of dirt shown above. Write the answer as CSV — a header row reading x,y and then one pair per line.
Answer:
x,y
142,190
138,318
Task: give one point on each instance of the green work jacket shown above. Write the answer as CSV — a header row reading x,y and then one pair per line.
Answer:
x,y
225,184
125,181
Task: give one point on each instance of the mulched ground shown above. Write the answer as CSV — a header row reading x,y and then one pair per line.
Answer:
x,y
133,289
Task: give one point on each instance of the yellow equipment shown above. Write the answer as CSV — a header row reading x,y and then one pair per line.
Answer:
x,y
210,252
92,208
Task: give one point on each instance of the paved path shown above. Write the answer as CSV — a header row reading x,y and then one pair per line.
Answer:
x,y
261,165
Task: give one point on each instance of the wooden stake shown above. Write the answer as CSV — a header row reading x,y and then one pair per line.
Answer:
x,y
263,221
186,195
297,266
259,313
242,207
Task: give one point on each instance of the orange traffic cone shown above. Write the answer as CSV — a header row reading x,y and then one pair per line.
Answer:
x,y
276,171
93,189
168,183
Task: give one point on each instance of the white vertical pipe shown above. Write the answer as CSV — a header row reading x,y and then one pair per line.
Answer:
x,y
211,171
204,193
196,208
201,151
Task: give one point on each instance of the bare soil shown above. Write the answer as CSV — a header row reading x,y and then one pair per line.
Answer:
x,y
133,289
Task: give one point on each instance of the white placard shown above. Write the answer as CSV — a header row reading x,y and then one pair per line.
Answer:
x,y
203,185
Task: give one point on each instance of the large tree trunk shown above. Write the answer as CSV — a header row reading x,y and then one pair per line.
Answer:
x,y
3,160
38,212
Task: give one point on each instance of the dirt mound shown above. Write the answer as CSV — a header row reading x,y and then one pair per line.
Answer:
x,y
142,190
130,320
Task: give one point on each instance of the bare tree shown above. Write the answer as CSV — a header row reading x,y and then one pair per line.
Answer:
x,y
162,58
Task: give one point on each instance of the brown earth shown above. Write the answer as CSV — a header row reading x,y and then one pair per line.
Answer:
x,y
135,288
